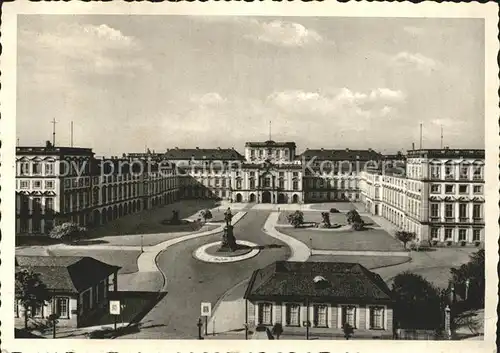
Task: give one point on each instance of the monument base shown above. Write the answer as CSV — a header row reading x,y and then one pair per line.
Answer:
x,y
228,240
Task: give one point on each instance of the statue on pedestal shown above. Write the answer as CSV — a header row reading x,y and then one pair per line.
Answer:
x,y
228,239
228,216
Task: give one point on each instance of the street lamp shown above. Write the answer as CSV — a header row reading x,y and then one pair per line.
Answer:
x,y
467,283
142,246
199,324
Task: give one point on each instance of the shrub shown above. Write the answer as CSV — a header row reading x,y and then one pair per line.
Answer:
x,y
296,219
67,231
206,214
334,210
449,242
462,243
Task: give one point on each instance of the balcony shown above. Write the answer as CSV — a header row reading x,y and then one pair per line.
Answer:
x,y
449,219
464,219
435,219
478,220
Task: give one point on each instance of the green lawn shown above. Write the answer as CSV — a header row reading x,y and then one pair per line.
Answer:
x,y
149,221
370,262
126,259
151,239
369,239
314,216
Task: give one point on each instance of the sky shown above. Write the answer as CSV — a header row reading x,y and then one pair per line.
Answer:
x,y
128,82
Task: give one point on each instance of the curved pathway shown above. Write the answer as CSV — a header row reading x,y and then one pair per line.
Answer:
x,y
299,250
191,281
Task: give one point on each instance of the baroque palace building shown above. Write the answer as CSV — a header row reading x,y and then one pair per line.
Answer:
x,y
438,194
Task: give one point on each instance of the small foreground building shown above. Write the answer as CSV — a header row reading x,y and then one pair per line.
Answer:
x,y
323,295
79,288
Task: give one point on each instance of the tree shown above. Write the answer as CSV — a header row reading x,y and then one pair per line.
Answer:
x,y
415,295
470,278
348,330
353,217
67,231
31,292
277,330
405,236
355,220
206,214
296,219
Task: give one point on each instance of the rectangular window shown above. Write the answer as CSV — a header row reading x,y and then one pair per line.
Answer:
x,y
25,168
61,307
448,233
223,182
49,169
449,189
37,168
282,184
448,210
478,189
252,184
462,210
377,318
37,184
434,233
295,185
462,234
320,315
349,316
435,188
476,235
464,173
267,182
265,313
436,172
449,172
478,173
476,211
463,189
49,184
293,314
295,174
49,204
282,174
25,184
434,210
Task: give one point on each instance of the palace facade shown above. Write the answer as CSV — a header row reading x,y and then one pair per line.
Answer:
x,y
439,195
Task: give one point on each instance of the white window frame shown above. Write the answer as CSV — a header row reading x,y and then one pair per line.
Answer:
x,y
356,313
258,316
369,309
315,312
286,318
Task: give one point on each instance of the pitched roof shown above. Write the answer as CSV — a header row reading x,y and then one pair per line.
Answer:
x,y
270,143
338,155
203,153
71,274
343,281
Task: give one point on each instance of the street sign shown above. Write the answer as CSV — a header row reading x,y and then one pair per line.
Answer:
x,y
114,307
206,309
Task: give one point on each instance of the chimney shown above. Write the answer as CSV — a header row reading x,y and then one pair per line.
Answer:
x,y
370,150
413,145
197,148
347,149
176,147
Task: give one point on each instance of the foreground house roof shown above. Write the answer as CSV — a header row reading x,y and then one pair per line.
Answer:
x,y
69,274
333,281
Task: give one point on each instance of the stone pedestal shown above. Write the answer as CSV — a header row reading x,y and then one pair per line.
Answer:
x,y
228,239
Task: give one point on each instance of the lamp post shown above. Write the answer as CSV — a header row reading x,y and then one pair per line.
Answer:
x,y
142,244
467,283
199,324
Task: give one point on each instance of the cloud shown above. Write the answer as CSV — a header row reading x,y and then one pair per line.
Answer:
x,y
282,33
212,98
414,30
415,60
341,103
91,49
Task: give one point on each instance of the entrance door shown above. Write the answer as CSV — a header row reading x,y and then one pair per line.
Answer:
x,y
266,197
252,198
376,210
295,198
238,197
281,198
